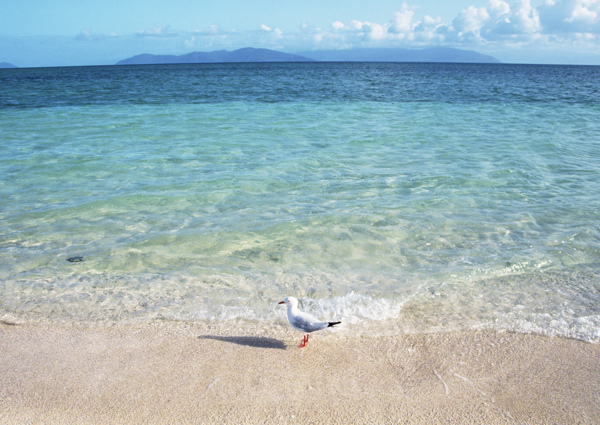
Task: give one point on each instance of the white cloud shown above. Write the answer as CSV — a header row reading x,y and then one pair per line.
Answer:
x,y
582,13
521,19
470,21
337,25
402,27
495,23
211,30
356,25
275,32
571,16
429,30
403,20
269,37
526,19
158,31
375,32
517,24
497,8
565,19
429,24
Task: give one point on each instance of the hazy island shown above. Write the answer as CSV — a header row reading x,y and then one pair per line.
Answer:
x,y
248,54
431,54
221,56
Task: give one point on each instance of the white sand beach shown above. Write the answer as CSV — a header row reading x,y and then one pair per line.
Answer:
x,y
195,374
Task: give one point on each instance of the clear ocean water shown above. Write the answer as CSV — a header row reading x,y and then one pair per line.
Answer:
x,y
396,197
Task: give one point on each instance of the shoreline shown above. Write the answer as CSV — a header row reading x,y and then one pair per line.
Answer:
x,y
192,373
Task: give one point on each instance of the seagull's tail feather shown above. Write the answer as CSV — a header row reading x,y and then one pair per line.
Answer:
x,y
333,324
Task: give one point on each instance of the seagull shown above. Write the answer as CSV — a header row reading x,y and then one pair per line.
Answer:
x,y
303,322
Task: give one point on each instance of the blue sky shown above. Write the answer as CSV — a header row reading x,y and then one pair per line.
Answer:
x,y
94,32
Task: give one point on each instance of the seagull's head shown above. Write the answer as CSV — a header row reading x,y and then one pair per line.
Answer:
x,y
290,301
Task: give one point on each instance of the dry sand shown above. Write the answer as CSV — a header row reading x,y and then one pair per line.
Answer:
x,y
188,373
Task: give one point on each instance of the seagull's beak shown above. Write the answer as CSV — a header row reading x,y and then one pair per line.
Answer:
x,y
281,302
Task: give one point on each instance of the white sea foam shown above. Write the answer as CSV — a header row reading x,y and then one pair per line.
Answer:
x,y
353,308
563,325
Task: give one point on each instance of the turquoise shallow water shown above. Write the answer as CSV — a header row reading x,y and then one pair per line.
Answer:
x,y
432,197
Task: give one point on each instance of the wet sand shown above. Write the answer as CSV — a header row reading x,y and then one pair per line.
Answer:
x,y
192,373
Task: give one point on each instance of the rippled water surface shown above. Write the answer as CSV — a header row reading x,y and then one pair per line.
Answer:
x,y
437,197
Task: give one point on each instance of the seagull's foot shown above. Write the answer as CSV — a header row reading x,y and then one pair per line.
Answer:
x,y
304,342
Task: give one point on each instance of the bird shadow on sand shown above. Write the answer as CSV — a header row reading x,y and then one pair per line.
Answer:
x,y
249,341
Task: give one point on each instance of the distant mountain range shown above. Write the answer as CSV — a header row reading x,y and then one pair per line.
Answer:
x,y
248,54
432,54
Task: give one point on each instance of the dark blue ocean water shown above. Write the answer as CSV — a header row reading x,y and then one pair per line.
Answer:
x,y
435,196
315,82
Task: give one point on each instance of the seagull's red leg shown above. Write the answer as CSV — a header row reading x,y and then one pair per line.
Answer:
x,y
304,341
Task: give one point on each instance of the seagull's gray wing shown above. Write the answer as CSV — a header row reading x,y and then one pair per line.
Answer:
x,y
307,323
